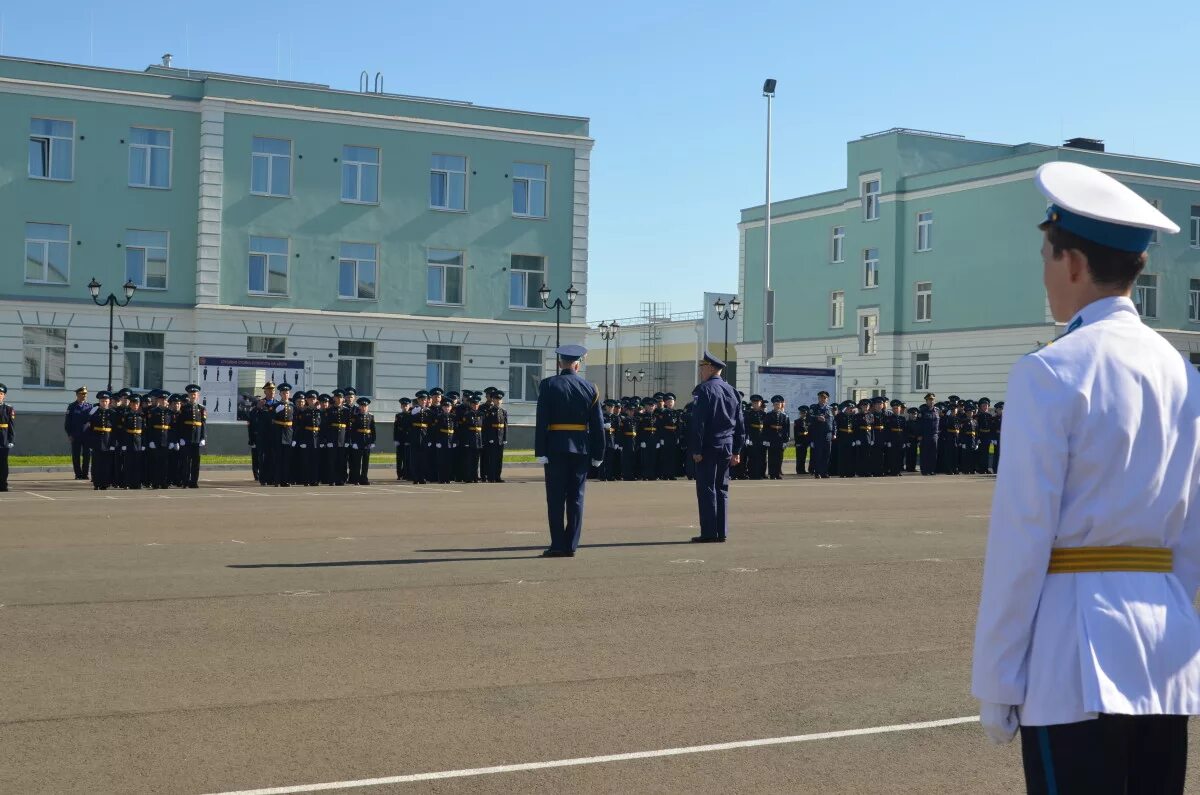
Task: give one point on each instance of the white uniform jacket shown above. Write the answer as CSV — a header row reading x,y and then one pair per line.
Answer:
x,y
1101,448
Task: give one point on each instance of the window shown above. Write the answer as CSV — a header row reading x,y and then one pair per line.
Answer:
x,y
45,357
360,174
868,328
146,258
51,149
448,182
268,265
870,199
1145,295
1194,300
149,158
1194,358
270,347
444,284
524,374
271,167
837,309
143,360
833,361
871,267
1195,226
529,190
925,231
1156,204
920,372
47,253
526,276
924,301
837,247
356,365
443,367
358,266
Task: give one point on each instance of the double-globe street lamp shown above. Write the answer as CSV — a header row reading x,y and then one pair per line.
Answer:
x,y
726,312
112,303
633,377
558,306
608,331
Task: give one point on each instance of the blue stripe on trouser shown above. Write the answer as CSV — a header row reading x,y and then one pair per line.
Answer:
x,y
1047,760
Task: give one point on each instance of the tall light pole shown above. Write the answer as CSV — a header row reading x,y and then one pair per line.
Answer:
x,y
727,312
768,349
607,332
633,377
112,303
558,306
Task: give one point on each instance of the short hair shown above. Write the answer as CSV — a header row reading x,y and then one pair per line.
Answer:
x,y
1108,267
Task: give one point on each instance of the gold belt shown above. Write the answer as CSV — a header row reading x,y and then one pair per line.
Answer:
x,y
446,430
193,422
498,426
566,426
337,425
361,430
669,427
420,425
284,424
311,428
1074,560
135,431
756,427
162,427
102,430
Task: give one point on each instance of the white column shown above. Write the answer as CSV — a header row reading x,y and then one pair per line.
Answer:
x,y
212,192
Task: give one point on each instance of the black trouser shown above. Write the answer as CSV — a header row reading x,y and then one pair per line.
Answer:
x,y
757,468
444,462
133,467
282,455
1111,755
668,458
81,456
629,459
775,460
401,461
649,460
929,455
801,455
3,467
910,455
354,459
102,468
895,455
847,455
492,461
190,464
996,465
470,464
255,463
311,473
417,472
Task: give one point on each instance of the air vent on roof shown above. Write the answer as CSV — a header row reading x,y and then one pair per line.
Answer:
x,y
1090,144
167,60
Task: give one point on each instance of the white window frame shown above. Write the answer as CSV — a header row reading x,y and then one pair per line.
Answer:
x,y
871,199
1194,300
271,158
45,244
355,361
43,358
870,269
920,364
266,354
525,275
1142,292
925,230
440,365
445,173
834,361
139,382
837,244
360,166
146,150
145,259
1156,204
357,263
266,291
923,309
50,139
837,309
529,181
868,343
1194,232
525,367
443,267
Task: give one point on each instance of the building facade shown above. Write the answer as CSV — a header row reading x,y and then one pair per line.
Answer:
x,y
924,273
385,241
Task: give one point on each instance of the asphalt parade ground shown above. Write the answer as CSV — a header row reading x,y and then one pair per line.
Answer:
x,y
404,639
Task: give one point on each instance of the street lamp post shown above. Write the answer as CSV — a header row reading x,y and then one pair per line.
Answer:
x,y
768,303
633,377
112,303
607,332
727,312
558,306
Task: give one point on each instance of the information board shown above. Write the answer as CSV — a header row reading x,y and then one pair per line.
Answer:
x,y
798,385
230,385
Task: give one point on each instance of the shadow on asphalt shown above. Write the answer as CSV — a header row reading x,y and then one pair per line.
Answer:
x,y
581,546
399,562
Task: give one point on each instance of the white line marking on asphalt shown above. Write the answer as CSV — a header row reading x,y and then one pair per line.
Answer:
x,y
152,544
241,491
301,593
744,571
344,538
979,516
829,546
43,496
235,541
520,532
595,760
838,521
688,560
928,532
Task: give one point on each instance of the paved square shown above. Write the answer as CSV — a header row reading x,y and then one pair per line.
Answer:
x,y
235,638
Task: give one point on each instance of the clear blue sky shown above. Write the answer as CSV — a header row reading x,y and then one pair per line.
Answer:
x,y
673,89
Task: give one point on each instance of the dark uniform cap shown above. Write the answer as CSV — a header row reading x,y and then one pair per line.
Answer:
x,y
324,397
1000,404
474,397
489,391
134,397
362,401
983,400
756,397
866,401
570,353
896,403
929,395
3,389
845,404
421,394
103,395
349,390
878,399
969,405
649,401
822,393
312,393
500,393
123,392
405,401
452,395
712,360
805,409
82,390
338,393
914,410
659,395
953,398
190,388
437,391
285,387
777,398
269,385
176,398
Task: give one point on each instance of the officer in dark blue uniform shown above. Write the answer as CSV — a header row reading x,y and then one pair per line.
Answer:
x,y
8,435
716,434
820,435
76,418
930,424
569,435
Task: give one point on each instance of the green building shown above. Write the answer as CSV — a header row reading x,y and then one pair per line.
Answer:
x,y
924,274
389,242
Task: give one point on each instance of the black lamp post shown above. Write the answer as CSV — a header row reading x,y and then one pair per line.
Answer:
x,y
607,332
111,302
558,307
633,377
727,312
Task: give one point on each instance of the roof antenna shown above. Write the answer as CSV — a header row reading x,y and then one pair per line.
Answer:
x,y
364,80
379,82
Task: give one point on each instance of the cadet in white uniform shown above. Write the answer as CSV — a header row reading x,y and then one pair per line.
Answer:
x,y
1087,636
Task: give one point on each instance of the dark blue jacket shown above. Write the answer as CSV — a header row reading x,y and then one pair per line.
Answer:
x,y
820,421
929,422
717,420
77,417
569,418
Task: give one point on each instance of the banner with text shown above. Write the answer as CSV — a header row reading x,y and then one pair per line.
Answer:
x,y
230,385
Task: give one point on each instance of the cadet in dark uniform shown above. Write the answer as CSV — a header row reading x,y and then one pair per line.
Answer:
x,y
100,426
628,438
362,442
192,425
442,431
307,435
968,439
400,428
495,437
717,433
266,435
8,435
418,436
912,439
253,442
986,420
800,440
160,424
667,432
820,435
470,426
997,422
133,429
756,466
776,432
568,436
847,450
76,418
647,441
282,423
894,439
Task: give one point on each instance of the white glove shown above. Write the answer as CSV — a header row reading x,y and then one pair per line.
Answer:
x,y
999,721
597,462
251,447
152,445
172,446
354,447
541,459
303,447
397,444
438,445
10,445
370,447
124,449
643,445
203,442
293,444
182,443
